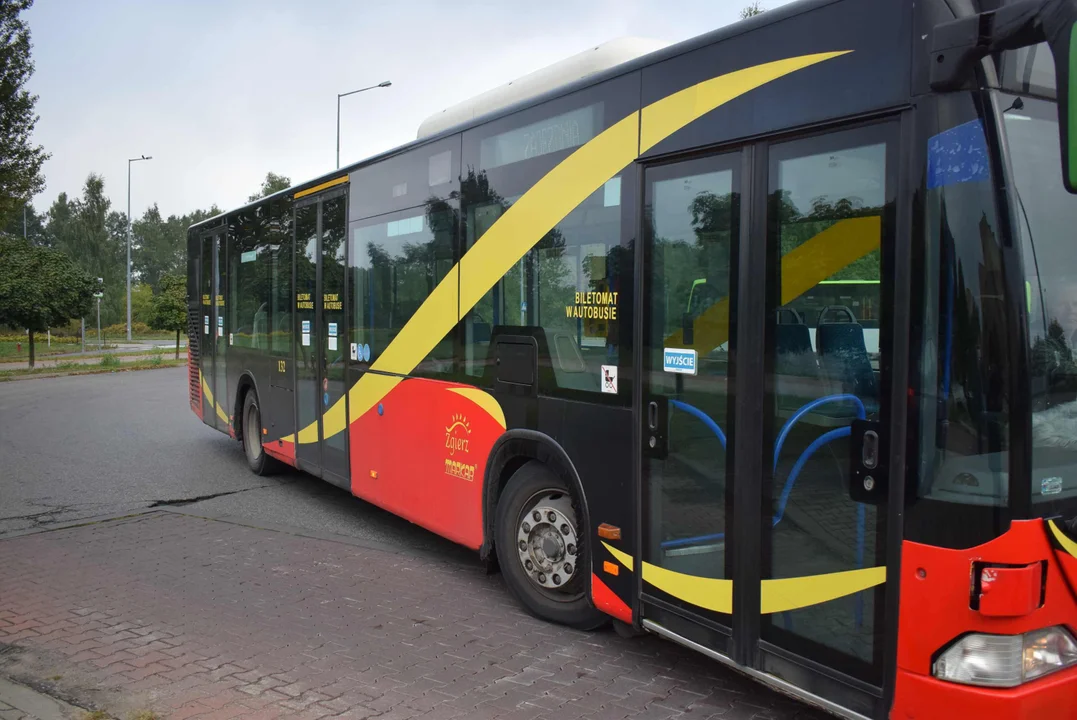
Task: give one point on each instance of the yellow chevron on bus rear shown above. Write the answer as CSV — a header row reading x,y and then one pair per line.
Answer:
x,y
528,220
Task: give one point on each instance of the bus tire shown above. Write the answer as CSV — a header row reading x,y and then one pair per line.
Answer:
x,y
540,548
257,460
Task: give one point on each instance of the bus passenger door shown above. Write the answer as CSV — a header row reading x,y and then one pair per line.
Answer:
x,y
321,351
693,213
214,382
827,358
764,408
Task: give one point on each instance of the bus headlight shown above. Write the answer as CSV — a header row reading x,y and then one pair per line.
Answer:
x,y
1006,660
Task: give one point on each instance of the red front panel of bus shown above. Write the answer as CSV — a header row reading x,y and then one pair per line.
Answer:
x,y
937,608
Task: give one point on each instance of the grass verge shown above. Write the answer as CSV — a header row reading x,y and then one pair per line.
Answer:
x,y
109,363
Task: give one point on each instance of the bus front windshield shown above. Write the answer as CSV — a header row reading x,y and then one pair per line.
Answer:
x,y
1047,225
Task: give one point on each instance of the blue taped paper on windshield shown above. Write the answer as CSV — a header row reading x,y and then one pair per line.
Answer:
x,y
957,155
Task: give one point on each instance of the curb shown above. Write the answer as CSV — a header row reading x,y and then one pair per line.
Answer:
x,y
35,704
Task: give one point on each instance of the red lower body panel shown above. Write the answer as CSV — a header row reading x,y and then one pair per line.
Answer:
x,y
281,450
608,602
421,453
1050,698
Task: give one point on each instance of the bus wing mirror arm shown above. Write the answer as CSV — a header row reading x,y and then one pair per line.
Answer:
x,y
957,45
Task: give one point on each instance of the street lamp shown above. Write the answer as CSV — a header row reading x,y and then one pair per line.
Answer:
x,y
339,96
129,161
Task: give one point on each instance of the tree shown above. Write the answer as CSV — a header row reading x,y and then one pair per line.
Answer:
x,y
141,303
756,8
26,222
40,288
95,236
20,159
273,183
160,246
169,306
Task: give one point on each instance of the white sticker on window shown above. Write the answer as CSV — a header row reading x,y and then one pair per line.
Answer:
x,y
306,339
332,342
611,192
332,329
355,351
609,379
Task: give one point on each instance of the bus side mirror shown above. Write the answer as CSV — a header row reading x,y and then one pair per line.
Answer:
x,y
1059,26
957,45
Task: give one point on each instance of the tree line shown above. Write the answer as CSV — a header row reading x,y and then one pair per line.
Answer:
x,y
55,265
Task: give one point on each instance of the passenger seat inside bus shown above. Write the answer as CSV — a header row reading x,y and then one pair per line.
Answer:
x,y
843,355
792,345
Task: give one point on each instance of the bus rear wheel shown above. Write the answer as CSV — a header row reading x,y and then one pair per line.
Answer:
x,y
257,460
540,548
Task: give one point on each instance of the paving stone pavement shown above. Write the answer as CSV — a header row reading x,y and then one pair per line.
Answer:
x,y
193,617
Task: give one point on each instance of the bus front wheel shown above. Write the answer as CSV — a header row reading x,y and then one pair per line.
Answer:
x,y
257,460
541,549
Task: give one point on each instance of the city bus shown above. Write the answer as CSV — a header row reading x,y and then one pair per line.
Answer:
x,y
496,332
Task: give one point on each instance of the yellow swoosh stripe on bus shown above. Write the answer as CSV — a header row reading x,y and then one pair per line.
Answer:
x,y
1063,539
776,595
209,396
804,267
528,220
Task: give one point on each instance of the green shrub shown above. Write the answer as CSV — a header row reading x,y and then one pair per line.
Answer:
x,y
110,361
40,339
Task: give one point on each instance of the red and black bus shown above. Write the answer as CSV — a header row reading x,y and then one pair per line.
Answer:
x,y
582,334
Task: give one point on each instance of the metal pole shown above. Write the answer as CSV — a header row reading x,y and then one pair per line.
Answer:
x,y
384,84
98,323
82,335
128,251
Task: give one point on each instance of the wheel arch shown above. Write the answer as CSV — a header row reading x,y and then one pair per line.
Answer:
x,y
511,451
246,382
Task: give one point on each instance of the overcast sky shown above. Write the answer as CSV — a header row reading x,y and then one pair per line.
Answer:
x,y
221,91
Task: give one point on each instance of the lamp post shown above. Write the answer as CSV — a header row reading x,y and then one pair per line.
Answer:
x,y
339,96
129,161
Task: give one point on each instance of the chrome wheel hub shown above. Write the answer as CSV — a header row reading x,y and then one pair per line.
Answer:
x,y
546,540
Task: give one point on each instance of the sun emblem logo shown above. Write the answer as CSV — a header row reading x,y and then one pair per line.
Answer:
x,y
456,434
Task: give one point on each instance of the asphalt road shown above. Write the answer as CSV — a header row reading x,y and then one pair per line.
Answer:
x,y
75,448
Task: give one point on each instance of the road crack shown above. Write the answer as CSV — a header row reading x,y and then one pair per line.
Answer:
x,y
180,502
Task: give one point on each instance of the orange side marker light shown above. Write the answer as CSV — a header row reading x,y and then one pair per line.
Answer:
x,y
374,474
611,568
609,532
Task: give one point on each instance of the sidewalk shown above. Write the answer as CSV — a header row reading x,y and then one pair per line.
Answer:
x,y
18,702
186,616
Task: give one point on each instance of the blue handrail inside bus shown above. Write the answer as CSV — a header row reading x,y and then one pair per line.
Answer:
x,y
704,417
790,481
861,413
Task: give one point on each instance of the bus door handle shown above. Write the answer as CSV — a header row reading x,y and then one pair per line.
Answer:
x,y
652,415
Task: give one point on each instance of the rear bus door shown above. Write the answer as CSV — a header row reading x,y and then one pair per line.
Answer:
x,y
214,382
321,331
